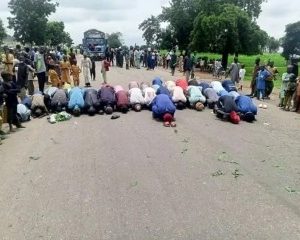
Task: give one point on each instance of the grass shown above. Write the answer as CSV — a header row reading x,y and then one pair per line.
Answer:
x,y
279,62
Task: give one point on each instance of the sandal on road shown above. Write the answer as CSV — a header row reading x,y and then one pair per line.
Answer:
x,y
173,124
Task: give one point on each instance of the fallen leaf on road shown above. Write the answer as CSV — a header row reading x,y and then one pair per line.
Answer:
x,y
218,173
290,190
133,184
34,158
236,173
223,157
184,151
175,131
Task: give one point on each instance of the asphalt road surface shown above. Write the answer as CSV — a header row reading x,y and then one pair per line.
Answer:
x,y
133,179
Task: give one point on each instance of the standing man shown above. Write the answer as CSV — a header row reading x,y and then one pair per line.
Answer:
x,y
131,57
137,58
270,80
22,77
254,77
187,66
234,71
40,66
93,69
86,66
173,62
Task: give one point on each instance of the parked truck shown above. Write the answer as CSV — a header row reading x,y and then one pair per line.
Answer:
x,y
94,44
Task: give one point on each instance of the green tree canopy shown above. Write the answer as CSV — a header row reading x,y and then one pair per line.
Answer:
x,y
180,15
115,40
228,30
2,32
166,39
273,45
291,40
151,29
29,19
56,34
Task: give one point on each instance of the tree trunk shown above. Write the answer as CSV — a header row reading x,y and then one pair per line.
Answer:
x,y
225,55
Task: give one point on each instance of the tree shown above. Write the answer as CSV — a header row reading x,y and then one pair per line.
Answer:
x,y
228,30
2,32
181,15
291,40
55,34
115,40
151,28
29,19
68,40
166,39
273,45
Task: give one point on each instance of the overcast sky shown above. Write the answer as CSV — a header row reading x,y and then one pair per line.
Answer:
x,y
125,15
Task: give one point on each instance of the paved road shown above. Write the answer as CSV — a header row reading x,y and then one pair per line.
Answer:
x,y
131,178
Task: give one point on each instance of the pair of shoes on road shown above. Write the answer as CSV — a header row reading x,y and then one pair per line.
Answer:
x,y
264,106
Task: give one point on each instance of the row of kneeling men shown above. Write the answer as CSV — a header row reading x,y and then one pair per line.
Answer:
x,y
163,98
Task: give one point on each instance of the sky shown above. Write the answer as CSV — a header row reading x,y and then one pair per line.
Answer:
x,y
125,15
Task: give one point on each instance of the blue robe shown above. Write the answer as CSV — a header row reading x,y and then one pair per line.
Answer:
x,y
161,105
229,86
261,79
157,81
163,90
76,98
245,105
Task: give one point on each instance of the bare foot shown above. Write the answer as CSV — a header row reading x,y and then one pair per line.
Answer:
x,y
166,124
173,124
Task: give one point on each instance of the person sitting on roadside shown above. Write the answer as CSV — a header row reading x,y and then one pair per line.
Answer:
x,y
195,97
76,101
107,97
164,109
